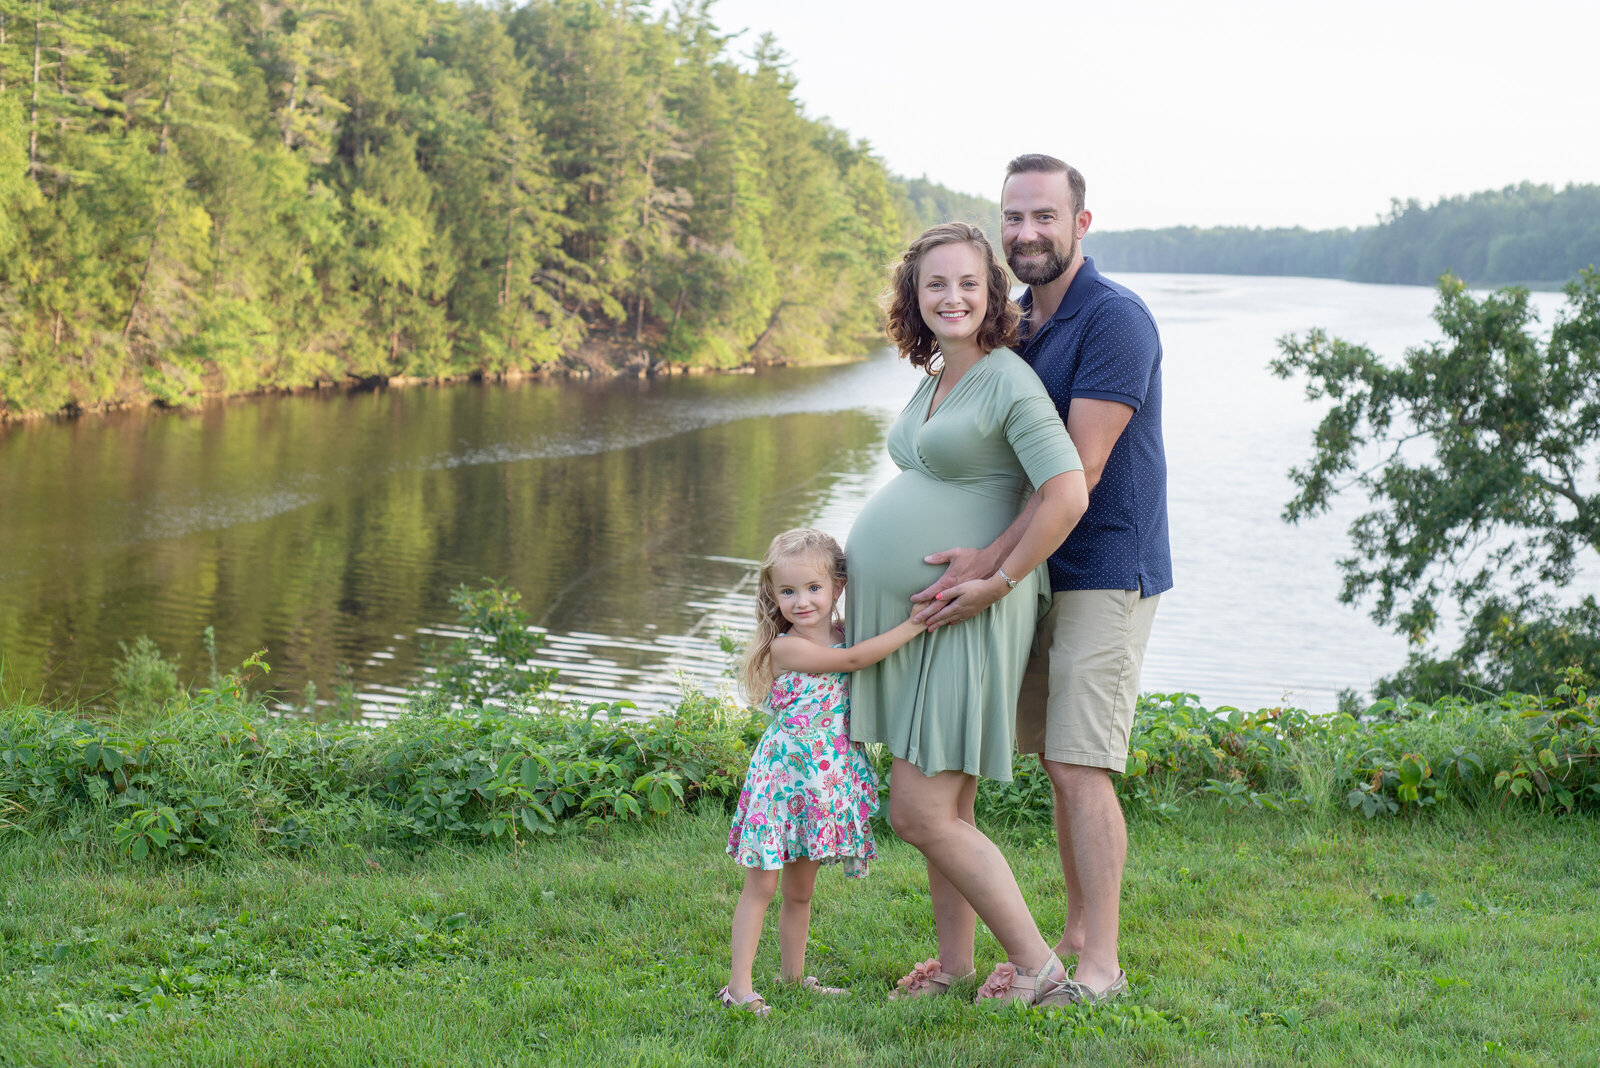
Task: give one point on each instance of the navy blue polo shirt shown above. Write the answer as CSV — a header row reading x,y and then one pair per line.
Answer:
x,y
1102,343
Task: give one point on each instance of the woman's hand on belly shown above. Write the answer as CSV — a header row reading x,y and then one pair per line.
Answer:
x,y
963,565
963,601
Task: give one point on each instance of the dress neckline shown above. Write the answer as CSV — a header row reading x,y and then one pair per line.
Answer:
x,y
932,411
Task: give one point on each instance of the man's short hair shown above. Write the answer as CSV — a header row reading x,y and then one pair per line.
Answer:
x,y
1039,163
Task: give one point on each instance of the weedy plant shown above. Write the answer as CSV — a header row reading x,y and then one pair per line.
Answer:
x,y
143,681
223,769
490,663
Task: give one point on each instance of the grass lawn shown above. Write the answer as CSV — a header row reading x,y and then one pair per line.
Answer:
x,y
1251,938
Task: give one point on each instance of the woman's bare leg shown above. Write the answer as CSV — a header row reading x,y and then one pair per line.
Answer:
x,y
953,918
926,811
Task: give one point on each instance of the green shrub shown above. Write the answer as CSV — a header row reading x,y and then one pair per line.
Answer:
x,y
483,755
490,662
220,769
144,682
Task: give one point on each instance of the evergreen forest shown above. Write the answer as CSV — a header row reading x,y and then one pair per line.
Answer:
x,y
1521,235
221,196
224,196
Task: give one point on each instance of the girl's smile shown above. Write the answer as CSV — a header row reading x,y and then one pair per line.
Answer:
x,y
805,593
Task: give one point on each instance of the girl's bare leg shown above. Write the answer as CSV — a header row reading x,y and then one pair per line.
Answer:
x,y
748,917
794,915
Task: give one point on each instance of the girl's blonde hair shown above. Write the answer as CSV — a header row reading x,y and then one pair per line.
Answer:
x,y
756,672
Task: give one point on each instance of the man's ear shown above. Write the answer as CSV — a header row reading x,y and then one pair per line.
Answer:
x,y
1083,220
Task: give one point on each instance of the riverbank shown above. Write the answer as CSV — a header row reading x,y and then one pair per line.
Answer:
x,y
589,362
1251,938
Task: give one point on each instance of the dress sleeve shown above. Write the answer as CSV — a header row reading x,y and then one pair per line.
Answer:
x,y
1033,428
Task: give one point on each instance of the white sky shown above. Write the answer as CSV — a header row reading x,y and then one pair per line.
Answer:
x,y
1207,112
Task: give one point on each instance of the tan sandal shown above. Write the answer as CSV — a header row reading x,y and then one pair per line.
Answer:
x,y
1072,992
926,980
1006,983
812,985
752,1002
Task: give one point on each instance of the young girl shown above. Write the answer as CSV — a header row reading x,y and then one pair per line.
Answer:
x,y
809,795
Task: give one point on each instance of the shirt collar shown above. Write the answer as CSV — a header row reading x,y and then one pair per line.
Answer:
x,y
1078,292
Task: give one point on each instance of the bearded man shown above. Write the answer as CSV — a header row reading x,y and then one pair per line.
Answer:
x,y
1095,347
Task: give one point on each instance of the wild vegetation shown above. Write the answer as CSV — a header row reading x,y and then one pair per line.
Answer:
x,y
1480,458
219,774
225,884
1519,234
1227,250
222,196
220,770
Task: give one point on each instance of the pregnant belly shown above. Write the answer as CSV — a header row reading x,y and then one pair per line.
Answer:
x,y
912,516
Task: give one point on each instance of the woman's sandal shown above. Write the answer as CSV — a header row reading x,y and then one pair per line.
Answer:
x,y
751,1002
1005,983
926,980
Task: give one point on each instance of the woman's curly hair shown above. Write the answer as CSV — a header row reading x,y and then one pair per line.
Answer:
x,y
906,328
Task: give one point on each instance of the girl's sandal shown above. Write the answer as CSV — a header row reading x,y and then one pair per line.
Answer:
x,y
926,980
752,1002
1005,983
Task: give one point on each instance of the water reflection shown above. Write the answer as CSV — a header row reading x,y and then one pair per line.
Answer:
x,y
330,530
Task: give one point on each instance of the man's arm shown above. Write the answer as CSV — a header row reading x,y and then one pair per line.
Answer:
x,y
1094,426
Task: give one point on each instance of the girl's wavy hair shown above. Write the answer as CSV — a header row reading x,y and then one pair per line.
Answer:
x,y
906,329
756,672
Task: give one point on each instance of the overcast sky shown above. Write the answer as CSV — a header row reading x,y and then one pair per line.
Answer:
x,y
1207,112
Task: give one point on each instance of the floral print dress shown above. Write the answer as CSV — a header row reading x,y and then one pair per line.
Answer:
x,y
809,794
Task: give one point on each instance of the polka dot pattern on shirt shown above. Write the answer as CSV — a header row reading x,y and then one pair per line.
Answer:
x,y
1102,344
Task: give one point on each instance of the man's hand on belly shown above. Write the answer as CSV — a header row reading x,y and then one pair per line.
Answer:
x,y
964,565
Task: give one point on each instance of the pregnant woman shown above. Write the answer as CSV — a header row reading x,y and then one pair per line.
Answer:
x,y
978,432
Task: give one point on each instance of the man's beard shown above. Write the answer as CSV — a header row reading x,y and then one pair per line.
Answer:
x,y
1045,271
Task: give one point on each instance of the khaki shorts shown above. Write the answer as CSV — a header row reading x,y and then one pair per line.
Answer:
x,y
1082,682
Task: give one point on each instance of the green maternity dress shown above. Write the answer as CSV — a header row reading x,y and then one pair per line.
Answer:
x,y
947,700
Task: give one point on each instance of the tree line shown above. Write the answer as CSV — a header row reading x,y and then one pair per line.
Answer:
x,y
1523,234
227,195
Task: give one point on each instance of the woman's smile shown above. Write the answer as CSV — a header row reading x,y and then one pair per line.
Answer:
x,y
952,294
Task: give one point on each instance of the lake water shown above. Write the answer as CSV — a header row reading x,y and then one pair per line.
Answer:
x,y
329,529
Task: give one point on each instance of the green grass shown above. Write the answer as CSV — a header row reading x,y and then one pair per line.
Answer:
x,y
1252,938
